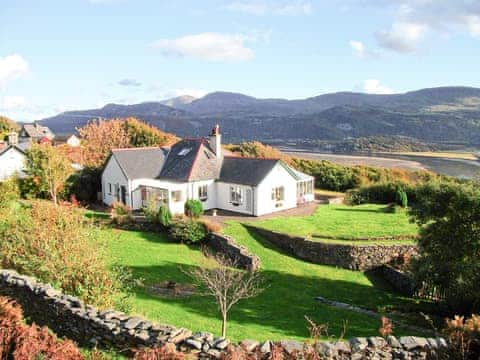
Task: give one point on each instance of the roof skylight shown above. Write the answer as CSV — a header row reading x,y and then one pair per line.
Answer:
x,y
184,151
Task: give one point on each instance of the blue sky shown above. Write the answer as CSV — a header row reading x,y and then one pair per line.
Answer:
x,y
77,54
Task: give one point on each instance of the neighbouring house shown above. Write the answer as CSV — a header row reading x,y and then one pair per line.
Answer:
x,y
197,169
70,140
36,133
12,158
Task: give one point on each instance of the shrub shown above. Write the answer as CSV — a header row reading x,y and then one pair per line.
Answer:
x,y
211,226
19,341
120,213
382,193
150,211
166,352
164,216
188,231
448,215
58,245
401,198
464,337
84,185
193,208
9,191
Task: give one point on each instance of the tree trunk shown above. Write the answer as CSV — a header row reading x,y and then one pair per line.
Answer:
x,y
224,326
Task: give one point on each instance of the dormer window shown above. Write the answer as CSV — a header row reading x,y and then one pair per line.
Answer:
x,y
184,151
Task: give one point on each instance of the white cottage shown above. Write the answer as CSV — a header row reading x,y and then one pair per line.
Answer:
x,y
12,158
197,169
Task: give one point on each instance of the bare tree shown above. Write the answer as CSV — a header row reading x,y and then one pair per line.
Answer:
x,y
227,285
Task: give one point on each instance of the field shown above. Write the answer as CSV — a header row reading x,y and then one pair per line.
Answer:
x,y
441,154
278,313
346,221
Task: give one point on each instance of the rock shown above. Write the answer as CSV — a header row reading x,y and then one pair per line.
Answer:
x,y
179,336
221,343
393,342
132,323
143,335
377,342
214,353
442,342
358,344
291,346
205,347
249,345
194,343
326,350
413,342
343,347
266,347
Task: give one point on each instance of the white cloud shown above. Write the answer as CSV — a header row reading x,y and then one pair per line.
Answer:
x,y
259,7
415,20
207,46
13,103
373,86
402,37
12,67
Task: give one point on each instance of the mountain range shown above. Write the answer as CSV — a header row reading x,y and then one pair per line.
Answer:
x,y
443,114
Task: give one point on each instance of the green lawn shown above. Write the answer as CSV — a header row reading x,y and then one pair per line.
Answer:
x,y
342,220
278,313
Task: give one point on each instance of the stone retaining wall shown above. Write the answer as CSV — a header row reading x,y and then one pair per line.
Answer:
x,y
399,280
353,257
68,316
236,253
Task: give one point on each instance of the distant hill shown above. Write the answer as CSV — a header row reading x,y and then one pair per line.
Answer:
x,y
445,114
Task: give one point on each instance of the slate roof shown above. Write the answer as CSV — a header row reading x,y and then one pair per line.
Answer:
x,y
138,163
194,160
245,171
190,160
37,131
8,147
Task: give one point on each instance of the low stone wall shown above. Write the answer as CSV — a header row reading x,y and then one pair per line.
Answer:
x,y
399,280
353,257
236,253
68,316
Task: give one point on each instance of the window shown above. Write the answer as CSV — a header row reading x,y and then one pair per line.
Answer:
x,y
184,151
236,195
109,189
203,192
177,195
278,193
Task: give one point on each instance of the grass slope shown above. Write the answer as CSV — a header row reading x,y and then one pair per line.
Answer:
x,y
278,313
341,220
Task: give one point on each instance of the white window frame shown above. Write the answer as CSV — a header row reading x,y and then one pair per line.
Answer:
x,y
236,195
278,193
203,192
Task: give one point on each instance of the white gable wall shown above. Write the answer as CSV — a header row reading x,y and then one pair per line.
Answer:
x,y
113,175
279,176
11,162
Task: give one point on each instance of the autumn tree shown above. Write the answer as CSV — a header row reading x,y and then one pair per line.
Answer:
x,y
141,134
101,136
227,285
48,168
6,125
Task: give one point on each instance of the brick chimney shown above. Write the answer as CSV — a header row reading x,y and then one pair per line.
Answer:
x,y
12,138
216,140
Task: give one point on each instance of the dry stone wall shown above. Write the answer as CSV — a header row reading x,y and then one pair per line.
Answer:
x,y
68,316
353,257
234,252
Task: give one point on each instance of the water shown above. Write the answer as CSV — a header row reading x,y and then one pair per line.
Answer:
x,y
467,169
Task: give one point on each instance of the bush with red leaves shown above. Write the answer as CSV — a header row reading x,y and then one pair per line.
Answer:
x,y
167,352
19,341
